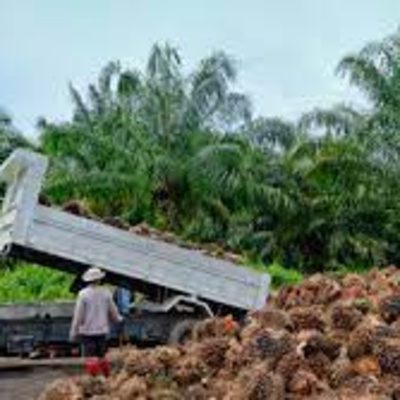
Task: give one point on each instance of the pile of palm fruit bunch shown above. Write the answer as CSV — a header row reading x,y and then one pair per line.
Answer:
x,y
327,338
78,208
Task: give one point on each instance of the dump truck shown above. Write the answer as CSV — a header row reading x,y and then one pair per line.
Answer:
x,y
179,285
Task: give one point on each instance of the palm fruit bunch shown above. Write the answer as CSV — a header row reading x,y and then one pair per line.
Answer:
x,y
211,352
167,356
354,287
133,388
395,327
189,370
340,371
387,350
259,383
321,344
271,317
117,380
391,384
316,290
307,318
237,356
78,208
362,338
289,364
304,384
93,386
367,366
345,317
271,344
319,364
389,308
142,363
62,389
215,328
320,351
384,280
163,394
362,387
325,289
196,392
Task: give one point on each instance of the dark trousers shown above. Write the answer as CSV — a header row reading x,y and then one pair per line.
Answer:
x,y
94,345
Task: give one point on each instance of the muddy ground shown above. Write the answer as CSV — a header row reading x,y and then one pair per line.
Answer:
x,y
27,384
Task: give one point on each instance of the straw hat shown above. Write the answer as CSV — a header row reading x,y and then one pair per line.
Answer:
x,y
93,274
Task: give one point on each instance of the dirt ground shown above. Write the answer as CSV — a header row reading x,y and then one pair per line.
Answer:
x,y
27,384
24,379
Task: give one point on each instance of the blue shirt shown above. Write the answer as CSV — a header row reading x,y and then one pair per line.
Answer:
x,y
122,298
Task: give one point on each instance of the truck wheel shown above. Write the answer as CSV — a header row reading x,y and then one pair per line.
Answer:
x,y
181,331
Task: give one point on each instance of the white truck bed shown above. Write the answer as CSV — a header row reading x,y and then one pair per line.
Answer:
x,y
69,242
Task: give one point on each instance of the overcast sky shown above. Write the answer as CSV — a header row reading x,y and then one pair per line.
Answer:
x,y
286,50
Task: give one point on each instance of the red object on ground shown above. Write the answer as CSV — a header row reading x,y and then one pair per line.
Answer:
x,y
230,324
105,367
92,367
96,366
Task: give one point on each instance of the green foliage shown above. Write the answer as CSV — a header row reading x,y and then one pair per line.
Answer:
x,y
341,271
10,138
283,276
280,276
24,283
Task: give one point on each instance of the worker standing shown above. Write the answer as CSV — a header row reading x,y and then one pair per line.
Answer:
x,y
122,298
94,313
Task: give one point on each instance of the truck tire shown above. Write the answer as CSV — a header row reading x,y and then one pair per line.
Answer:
x,y
181,331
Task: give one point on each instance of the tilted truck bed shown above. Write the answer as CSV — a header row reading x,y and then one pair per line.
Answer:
x,y
68,242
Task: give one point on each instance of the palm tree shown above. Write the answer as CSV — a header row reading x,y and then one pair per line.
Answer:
x,y
130,119
10,138
338,121
273,136
375,70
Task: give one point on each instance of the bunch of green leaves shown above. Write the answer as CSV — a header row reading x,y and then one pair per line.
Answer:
x,y
25,283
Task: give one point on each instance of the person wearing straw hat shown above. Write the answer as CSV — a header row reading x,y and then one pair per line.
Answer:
x,y
94,313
